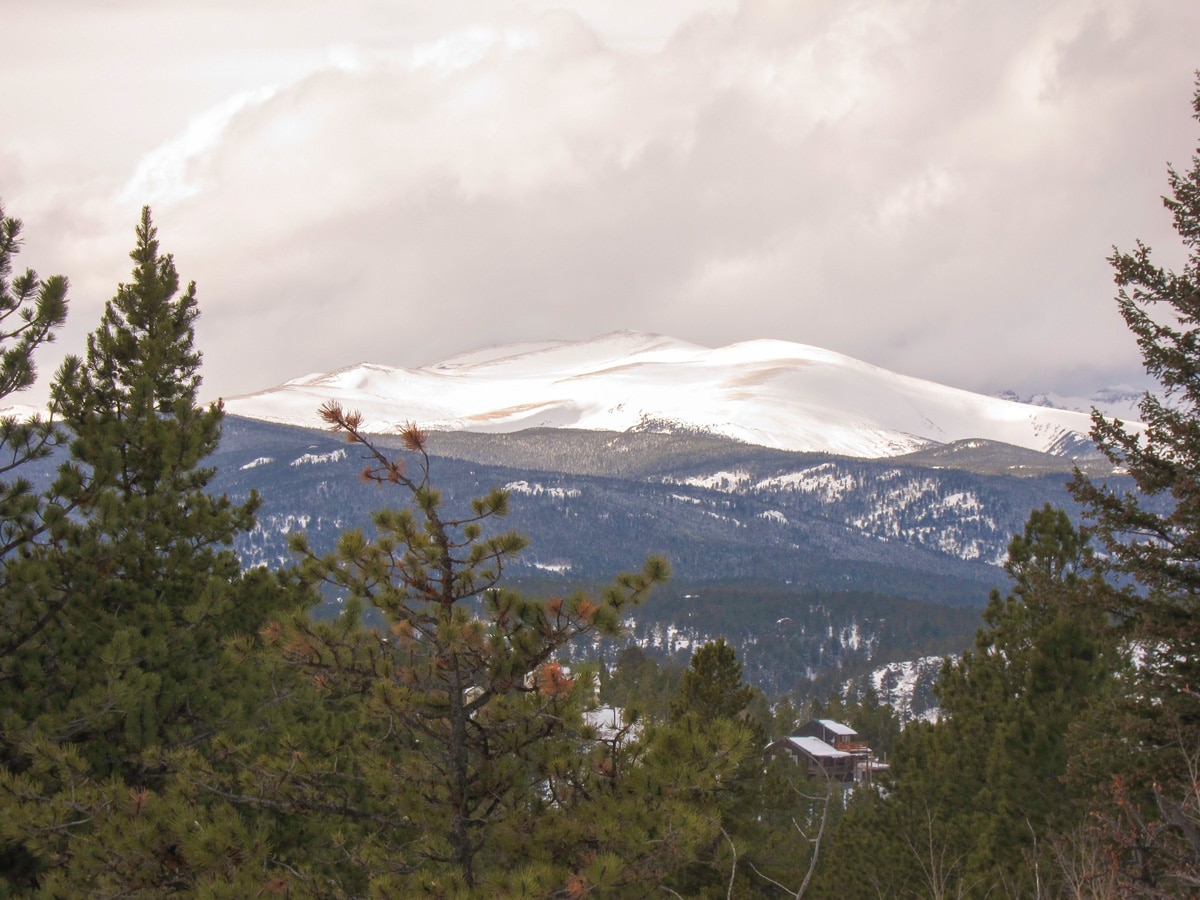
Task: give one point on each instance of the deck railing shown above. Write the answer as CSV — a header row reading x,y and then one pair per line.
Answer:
x,y
853,746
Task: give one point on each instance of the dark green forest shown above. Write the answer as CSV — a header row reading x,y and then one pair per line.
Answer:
x,y
175,723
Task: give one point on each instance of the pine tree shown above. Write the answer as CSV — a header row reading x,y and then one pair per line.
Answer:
x,y
972,800
1153,537
140,590
31,310
765,816
467,769
1042,660
151,579
712,686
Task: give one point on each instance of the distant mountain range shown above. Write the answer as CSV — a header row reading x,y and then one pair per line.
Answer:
x,y
767,393
828,517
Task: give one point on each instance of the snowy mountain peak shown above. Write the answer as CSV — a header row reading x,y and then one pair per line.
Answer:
x,y
768,392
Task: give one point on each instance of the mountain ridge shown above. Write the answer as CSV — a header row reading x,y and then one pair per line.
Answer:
x,y
768,393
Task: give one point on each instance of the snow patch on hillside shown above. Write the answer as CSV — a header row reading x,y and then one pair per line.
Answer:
x,y
537,490
825,481
910,509
313,459
907,686
718,481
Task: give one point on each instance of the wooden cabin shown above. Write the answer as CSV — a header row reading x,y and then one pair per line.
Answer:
x,y
829,749
819,758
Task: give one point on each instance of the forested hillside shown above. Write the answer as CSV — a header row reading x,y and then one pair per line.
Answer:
x,y
824,523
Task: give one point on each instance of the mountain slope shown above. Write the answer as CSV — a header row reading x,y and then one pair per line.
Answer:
x,y
768,393
717,509
812,566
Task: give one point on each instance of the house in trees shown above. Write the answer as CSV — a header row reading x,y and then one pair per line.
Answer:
x,y
829,749
821,759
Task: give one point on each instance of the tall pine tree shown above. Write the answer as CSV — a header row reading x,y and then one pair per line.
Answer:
x,y
154,585
1153,537
31,310
140,589
712,686
468,747
764,814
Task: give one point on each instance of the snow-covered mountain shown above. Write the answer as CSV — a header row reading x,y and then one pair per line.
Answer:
x,y
767,392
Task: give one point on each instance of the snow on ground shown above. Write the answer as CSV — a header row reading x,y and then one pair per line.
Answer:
x,y
313,459
536,490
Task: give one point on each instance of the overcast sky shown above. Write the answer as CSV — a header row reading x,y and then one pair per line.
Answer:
x,y
932,187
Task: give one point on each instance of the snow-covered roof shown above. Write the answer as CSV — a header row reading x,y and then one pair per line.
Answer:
x,y
838,728
817,747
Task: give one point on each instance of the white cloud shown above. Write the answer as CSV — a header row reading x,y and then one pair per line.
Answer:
x,y
171,172
930,186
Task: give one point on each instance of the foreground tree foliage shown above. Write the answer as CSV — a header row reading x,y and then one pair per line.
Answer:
x,y
453,757
31,310
1151,744
772,819
970,799
132,591
171,724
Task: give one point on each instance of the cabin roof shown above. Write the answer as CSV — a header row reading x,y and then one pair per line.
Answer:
x,y
817,747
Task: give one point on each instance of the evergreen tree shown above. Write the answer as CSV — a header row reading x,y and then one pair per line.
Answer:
x,y
971,801
1042,660
765,811
153,584
1153,537
712,686
139,591
31,310
466,768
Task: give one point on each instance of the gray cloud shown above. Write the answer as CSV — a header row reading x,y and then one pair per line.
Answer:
x,y
929,186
